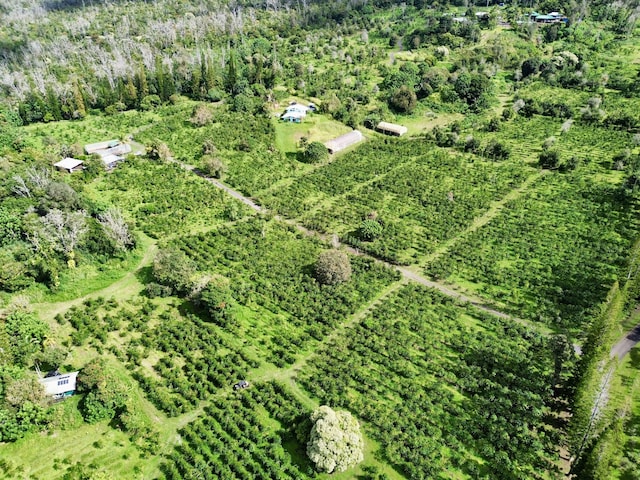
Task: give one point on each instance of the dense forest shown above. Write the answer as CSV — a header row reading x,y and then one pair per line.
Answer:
x,y
239,300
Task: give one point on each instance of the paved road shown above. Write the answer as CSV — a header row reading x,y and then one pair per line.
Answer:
x,y
629,341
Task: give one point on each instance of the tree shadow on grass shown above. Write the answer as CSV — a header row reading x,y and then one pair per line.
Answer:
x,y
298,453
145,274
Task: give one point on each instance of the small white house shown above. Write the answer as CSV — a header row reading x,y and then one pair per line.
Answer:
x,y
59,385
297,108
292,116
69,165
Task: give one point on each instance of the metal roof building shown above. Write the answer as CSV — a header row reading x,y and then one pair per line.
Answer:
x,y
391,129
94,147
344,141
69,164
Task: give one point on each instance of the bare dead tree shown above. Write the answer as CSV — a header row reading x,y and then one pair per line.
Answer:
x,y
20,188
115,227
64,230
40,177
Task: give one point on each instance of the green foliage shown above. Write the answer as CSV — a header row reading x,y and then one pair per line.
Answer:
x,y
403,100
153,195
542,272
26,334
463,403
10,227
216,298
14,425
105,396
213,166
173,269
370,229
19,391
250,445
408,183
315,152
268,264
474,89
549,159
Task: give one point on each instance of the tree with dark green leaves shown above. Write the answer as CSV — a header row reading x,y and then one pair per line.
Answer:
x,y
474,89
26,334
403,100
315,152
370,229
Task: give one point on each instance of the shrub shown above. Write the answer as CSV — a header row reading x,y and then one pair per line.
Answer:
x,y
154,289
496,151
214,166
370,229
549,159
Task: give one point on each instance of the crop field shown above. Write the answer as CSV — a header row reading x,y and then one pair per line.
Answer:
x,y
241,436
551,254
269,270
589,144
448,391
422,194
153,194
458,294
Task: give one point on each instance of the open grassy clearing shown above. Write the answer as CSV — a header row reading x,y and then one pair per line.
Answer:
x,y
315,127
421,123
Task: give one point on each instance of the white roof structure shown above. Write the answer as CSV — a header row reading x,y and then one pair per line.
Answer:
x,y
94,147
110,160
292,114
57,385
344,141
68,163
121,149
297,107
392,128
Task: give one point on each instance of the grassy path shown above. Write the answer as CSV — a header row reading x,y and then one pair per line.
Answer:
x,y
288,377
126,287
407,273
482,220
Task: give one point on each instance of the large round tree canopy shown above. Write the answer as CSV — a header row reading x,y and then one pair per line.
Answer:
x,y
336,442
